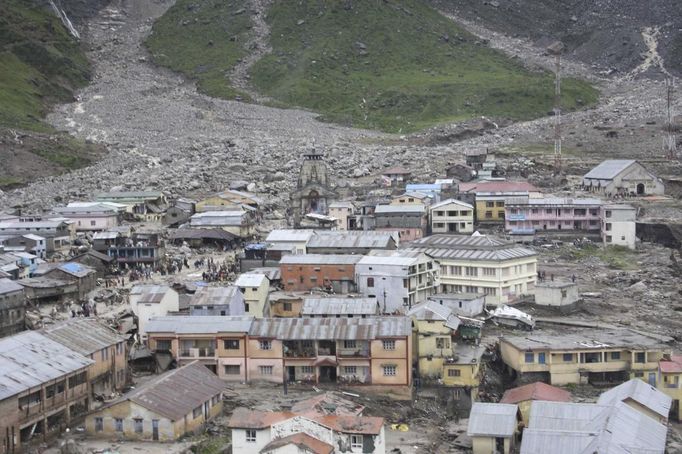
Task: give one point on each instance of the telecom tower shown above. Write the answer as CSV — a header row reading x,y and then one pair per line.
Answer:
x,y
670,141
556,49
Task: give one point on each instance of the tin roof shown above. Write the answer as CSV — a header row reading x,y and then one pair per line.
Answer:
x,y
320,259
535,391
218,218
199,324
243,418
251,280
397,209
451,201
585,339
331,328
492,420
303,441
202,234
9,286
83,335
30,359
609,169
150,293
497,186
642,393
328,403
674,365
76,269
352,239
289,235
339,305
91,209
177,392
213,296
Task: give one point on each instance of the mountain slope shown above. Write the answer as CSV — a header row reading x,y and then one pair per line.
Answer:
x,y
393,65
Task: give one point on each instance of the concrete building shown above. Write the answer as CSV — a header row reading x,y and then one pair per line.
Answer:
x,y
462,372
409,220
531,215
91,218
451,216
313,190
594,356
411,198
144,205
239,223
466,304
434,326
493,428
482,264
619,225
43,390
217,301
286,304
255,288
12,307
291,241
218,342
524,395
153,300
342,211
352,242
343,306
83,276
101,344
57,234
31,243
622,177
397,279
153,411
670,383
289,432
490,197
394,176
311,271
563,296
140,248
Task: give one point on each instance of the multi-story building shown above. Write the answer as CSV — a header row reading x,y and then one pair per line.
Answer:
x,y
139,249
451,216
217,301
148,301
255,288
145,205
587,356
490,197
434,327
239,223
57,233
91,218
99,343
409,220
482,264
12,307
310,271
530,215
397,279
670,382
619,225
43,389
341,211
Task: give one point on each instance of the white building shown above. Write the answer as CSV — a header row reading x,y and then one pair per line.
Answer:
x,y
239,223
397,279
291,433
451,216
466,304
560,295
255,287
619,225
622,177
93,218
149,301
294,241
341,211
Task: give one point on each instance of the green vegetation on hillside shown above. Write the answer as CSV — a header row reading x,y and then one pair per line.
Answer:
x,y
40,64
202,39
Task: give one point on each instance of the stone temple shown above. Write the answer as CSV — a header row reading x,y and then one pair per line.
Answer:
x,y
313,191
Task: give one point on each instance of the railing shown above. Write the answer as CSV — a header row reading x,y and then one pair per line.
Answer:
x,y
203,352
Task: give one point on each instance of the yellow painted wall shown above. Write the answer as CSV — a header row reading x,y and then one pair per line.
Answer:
x,y
401,356
496,211
468,375
486,445
669,386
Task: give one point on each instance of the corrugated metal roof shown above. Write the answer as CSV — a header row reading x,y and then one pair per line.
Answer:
x,y
451,201
568,416
331,328
631,431
213,296
350,240
674,365
397,209
218,218
430,310
555,442
320,259
553,201
609,169
177,392
497,186
642,393
535,391
304,443
76,269
511,253
251,280
207,234
97,208
401,258
83,335
492,420
339,305
289,236
475,242
584,339
199,324
9,286
30,359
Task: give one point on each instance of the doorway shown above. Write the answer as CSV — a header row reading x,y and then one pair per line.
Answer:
x,y
291,374
328,374
640,189
155,429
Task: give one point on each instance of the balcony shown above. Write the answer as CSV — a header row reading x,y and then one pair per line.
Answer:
x,y
297,349
201,352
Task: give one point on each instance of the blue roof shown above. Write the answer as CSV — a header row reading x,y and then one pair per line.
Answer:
x,y
423,187
256,246
75,268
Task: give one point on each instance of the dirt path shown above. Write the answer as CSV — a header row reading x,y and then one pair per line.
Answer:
x,y
258,46
652,59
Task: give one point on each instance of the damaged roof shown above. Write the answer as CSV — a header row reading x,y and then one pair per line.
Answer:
x,y
642,393
339,305
199,324
83,335
303,441
585,339
9,286
331,328
535,391
243,418
328,403
176,393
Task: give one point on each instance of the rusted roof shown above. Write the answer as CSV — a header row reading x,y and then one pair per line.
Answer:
x,y
331,328
83,335
243,418
352,424
535,391
674,365
396,171
303,441
329,403
497,186
176,393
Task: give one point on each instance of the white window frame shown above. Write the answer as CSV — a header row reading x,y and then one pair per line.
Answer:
x,y
356,441
390,370
250,435
389,344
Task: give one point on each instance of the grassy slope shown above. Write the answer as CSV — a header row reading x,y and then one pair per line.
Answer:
x,y
410,77
40,65
203,39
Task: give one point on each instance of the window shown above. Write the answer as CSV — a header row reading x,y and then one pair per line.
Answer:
x,y
489,271
350,370
622,238
442,342
265,370
196,412
471,271
530,357
640,357
309,370
77,380
356,441
500,214
99,424
93,223
370,282
440,213
138,425
489,214
541,358
568,357
349,344
609,239
265,345
454,373
250,435
232,369
499,204
105,354
54,390
287,307
489,204
118,424
548,210
406,283
615,355
607,213
389,344
608,226
231,344
389,370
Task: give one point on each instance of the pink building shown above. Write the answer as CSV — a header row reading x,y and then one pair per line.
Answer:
x,y
529,215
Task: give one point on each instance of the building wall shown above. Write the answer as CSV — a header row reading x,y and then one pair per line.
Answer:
x,y
468,375
465,307
671,384
145,311
307,277
490,214
255,298
452,218
486,445
342,214
12,313
547,295
407,234
9,430
552,217
430,357
241,446
401,357
618,227
258,357
93,223
277,308
109,371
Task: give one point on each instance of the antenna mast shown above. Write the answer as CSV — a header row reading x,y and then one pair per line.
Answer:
x,y
670,141
556,48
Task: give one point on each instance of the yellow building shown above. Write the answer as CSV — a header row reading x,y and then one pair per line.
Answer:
x,y
255,288
482,264
153,412
493,427
433,326
411,198
490,197
586,356
341,211
670,382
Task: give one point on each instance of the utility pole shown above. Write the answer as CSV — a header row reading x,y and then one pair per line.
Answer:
x,y
556,49
670,141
